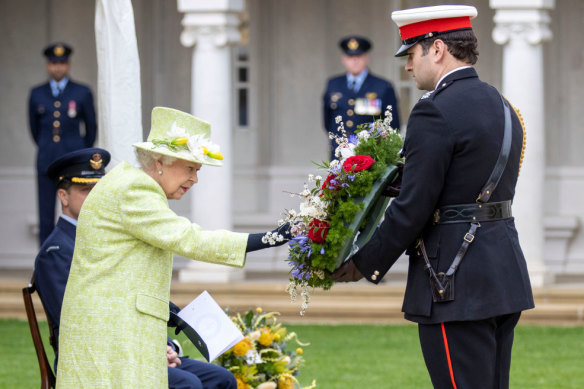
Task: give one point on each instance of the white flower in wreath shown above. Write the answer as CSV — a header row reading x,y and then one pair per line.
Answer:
x,y
364,135
345,150
314,208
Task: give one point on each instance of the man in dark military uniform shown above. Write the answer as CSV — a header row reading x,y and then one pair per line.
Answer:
x,y
75,174
56,110
357,96
467,279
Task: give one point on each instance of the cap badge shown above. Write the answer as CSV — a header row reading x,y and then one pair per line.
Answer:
x,y
96,161
59,50
353,44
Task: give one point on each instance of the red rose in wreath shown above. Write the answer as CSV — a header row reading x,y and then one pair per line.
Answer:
x,y
318,230
327,184
357,163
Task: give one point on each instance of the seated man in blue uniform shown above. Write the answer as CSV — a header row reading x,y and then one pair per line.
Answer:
x,y
357,96
56,111
467,279
75,174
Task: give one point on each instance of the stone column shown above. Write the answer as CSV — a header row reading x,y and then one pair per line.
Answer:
x,y
210,27
521,26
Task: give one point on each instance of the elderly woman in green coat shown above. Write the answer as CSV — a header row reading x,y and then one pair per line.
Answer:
x,y
115,309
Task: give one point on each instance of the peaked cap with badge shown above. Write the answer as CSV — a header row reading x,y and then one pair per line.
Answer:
x,y
84,166
58,52
355,45
417,24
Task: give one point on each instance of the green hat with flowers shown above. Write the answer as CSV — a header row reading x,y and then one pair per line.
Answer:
x,y
180,135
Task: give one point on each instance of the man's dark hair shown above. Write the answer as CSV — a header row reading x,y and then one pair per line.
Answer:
x,y
461,44
64,184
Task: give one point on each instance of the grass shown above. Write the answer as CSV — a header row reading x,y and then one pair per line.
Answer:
x,y
350,356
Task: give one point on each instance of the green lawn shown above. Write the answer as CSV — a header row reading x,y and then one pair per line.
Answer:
x,y
366,356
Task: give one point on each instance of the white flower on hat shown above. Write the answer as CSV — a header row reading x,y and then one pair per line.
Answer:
x,y
201,146
177,132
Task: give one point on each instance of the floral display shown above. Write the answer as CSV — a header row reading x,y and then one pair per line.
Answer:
x,y
324,230
261,359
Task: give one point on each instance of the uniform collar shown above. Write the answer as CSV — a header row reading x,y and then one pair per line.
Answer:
x,y
58,85
449,73
68,225
70,219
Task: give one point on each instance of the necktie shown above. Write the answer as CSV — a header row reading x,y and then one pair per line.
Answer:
x,y
353,84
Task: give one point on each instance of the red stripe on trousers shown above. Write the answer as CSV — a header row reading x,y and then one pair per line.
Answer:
x,y
448,355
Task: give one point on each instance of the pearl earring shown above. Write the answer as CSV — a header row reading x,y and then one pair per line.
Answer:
x,y
160,172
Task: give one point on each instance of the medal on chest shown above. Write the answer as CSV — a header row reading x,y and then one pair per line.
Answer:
x,y
72,109
370,105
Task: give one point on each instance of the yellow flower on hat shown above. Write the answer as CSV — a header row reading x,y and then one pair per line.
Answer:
x,y
180,141
181,135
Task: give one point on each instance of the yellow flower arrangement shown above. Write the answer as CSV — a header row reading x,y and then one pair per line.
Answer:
x,y
241,384
241,348
261,360
266,337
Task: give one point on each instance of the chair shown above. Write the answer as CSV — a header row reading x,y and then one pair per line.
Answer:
x,y
47,375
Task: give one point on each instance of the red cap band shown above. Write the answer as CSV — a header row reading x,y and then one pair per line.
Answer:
x,y
439,25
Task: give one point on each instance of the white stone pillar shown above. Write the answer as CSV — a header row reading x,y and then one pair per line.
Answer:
x,y
521,26
210,27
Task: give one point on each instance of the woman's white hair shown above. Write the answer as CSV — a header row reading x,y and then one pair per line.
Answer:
x,y
147,159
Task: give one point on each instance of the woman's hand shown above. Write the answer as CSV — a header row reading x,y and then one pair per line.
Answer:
x,y
172,357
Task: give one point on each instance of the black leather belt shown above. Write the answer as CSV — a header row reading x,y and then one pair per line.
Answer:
x,y
473,213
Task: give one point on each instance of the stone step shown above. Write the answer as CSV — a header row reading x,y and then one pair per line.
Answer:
x,y
348,303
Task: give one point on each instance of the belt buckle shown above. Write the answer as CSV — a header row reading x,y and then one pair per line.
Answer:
x,y
469,237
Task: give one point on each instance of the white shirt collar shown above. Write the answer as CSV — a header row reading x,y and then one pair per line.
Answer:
x,y
449,73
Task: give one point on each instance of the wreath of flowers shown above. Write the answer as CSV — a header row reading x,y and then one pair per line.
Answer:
x,y
321,227
261,359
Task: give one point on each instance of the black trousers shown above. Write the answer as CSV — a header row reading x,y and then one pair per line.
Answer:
x,y
469,354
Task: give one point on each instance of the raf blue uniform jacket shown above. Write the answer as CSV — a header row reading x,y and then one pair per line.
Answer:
x,y
374,95
62,116
51,270
453,139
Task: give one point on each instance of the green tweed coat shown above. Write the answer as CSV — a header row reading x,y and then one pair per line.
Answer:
x,y
115,309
